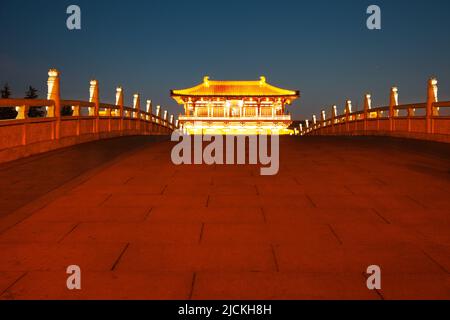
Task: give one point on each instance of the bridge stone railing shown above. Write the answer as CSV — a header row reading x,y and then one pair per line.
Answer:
x,y
426,121
84,121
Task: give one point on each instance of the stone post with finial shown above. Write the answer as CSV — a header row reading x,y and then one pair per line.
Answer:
x,y
53,93
95,99
432,97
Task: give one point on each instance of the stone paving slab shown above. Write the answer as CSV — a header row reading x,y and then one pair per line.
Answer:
x,y
91,214
103,285
8,279
175,285
57,257
208,257
107,232
206,215
416,287
267,234
35,232
290,286
142,228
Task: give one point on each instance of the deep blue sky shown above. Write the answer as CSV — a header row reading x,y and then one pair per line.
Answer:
x,y
321,48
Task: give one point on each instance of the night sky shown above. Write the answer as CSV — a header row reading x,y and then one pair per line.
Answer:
x,y
321,48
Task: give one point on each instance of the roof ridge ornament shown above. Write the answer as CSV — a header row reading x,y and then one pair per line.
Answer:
x,y
206,81
262,81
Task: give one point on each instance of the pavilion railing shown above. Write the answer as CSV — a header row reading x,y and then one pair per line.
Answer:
x,y
429,120
237,118
68,122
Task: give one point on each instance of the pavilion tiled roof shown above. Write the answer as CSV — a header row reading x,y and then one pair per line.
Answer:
x,y
214,88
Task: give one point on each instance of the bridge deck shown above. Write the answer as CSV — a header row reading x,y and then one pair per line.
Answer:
x,y
140,227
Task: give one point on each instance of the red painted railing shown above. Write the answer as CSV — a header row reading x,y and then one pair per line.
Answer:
x,y
428,121
89,120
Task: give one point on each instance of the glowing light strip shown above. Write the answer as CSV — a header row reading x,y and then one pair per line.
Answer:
x,y
282,117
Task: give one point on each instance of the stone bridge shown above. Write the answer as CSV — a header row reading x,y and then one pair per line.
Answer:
x,y
426,121
141,227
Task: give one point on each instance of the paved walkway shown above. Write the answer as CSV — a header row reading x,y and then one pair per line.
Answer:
x,y
28,179
143,228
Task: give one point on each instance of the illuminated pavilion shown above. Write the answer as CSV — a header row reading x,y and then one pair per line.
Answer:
x,y
235,107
